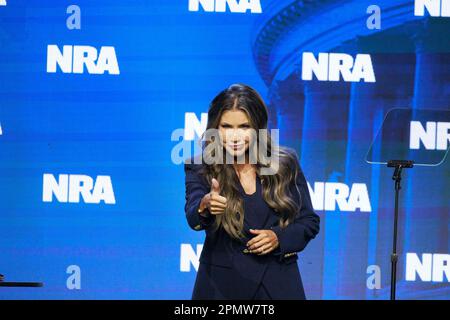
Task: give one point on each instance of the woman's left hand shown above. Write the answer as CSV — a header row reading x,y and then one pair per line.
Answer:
x,y
264,242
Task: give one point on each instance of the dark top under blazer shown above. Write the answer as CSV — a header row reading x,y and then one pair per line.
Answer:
x,y
225,271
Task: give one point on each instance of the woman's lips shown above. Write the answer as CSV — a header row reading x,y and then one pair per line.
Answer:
x,y
236,146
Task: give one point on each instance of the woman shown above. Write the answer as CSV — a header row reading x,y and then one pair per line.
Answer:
x,y
255,223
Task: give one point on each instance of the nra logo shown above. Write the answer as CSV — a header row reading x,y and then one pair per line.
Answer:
x,y
435,8
333,66
69,188
194,126
234,6
327,196
434,136
190,256
75,59
429,267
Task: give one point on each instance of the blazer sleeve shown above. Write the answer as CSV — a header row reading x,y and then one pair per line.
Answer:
x,y
305,226
196,188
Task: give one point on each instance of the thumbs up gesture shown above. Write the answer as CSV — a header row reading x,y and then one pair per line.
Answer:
x,y
213,201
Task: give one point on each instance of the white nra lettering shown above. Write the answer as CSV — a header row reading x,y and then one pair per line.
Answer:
x,y
234,6
75,59
68,188
331,66
329,195
435,8
189,256
434,136
429,268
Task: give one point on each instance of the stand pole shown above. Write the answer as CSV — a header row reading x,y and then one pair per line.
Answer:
x,y
397,177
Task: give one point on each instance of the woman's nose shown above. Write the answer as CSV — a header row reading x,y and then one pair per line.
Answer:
x,y
236,135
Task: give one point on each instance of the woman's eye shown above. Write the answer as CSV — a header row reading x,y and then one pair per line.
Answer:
x,y
244,126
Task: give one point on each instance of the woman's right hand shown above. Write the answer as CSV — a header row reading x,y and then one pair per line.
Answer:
x,y
213,201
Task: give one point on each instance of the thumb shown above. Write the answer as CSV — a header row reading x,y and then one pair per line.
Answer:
x,y
215,186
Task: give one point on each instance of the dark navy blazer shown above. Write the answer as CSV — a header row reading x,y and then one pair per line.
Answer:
x,y
226,270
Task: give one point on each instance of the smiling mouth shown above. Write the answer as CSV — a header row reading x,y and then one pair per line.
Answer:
x,y
236,146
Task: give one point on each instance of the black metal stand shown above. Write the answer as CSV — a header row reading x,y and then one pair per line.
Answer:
x,y
18,284
397,177
22,284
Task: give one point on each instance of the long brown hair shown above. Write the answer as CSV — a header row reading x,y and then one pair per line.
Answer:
x,y
276,188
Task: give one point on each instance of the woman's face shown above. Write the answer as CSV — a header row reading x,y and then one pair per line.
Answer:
x,y
235,132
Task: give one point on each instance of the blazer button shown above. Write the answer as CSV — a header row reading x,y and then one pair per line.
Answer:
x,y
289,254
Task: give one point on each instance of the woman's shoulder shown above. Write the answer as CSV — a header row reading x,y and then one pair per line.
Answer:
x,y
292,161
195,165
194,161
289,157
